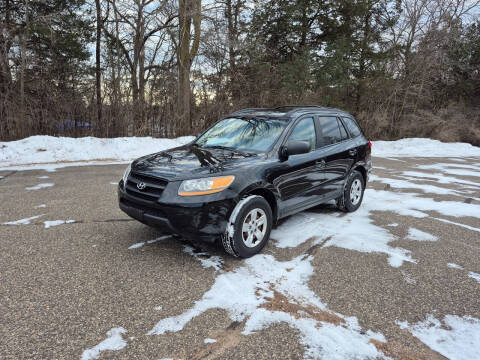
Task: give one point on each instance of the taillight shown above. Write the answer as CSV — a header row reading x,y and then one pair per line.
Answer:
x,y
370,144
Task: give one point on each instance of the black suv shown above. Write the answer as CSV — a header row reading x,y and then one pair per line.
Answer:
x,y
246,172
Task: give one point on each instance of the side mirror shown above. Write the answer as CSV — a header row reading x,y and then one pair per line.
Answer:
x,y
294,148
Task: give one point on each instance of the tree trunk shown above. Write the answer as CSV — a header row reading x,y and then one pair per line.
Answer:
x,y
98,70
22,127
188,11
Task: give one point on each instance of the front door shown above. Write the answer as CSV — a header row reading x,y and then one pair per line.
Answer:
x,y
298,184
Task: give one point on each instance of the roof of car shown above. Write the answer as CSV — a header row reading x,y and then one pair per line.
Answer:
x,y
286,112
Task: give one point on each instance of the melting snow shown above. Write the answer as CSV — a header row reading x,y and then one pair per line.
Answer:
x,y
43,177
349,231
114,341
454,266
209,341
475,276
159,239
246,293
49,224
204,257
40,186
418,235
459,340
458,224
25,221
40,206
136,246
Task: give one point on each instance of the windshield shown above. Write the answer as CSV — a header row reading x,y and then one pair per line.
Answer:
x,y
243,134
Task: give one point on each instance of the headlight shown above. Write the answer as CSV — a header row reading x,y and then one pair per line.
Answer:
x,y
205,186
125,175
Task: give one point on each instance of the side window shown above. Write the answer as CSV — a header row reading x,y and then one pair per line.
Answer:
x,y
330,130
343,132
304,131
352,126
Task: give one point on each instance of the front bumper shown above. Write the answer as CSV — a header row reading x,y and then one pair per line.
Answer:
x,y
196,220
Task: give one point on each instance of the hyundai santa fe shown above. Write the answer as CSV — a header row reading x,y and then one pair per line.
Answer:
x,y
246,172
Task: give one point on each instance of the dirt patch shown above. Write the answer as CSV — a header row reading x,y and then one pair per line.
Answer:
x,y
225,340
280,302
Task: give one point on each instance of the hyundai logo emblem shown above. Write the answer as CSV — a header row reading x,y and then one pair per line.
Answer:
x,y
141,186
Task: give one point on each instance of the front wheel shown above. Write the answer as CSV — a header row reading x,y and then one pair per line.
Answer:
x,y
353,193
249,227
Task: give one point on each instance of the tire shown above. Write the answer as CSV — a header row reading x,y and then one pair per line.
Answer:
x,y
246,243
353,193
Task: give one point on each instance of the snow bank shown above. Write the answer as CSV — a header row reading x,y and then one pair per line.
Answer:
x,y
47,149
421,147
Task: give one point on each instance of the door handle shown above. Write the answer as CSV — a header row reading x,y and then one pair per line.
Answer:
x,y
320,163
352,152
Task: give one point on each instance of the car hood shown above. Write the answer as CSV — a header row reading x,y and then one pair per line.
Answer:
x,y
191,161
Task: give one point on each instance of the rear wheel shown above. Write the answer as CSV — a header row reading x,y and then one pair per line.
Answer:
x,y
249,227
353,193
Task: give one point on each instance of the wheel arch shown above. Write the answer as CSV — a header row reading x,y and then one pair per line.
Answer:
x,y
268,195
362,170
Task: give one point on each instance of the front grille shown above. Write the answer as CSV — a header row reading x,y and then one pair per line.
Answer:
x,y
153,190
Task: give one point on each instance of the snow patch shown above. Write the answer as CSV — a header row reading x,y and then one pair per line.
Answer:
x,y
40,206
114,341
454,266
43,177
25,221
209,341
49,224
159,239
330,229
418,235
204,257
246,292
458,338
474,276
458,224
136,246
404,184
40,186
158,308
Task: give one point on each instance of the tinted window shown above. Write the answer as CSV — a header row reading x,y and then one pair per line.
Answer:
x,y
343,132
330,130
304,131
352,126
243,134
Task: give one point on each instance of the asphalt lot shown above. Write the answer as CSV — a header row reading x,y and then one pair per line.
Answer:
x,y
63,287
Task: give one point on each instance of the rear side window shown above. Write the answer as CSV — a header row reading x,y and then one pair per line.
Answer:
x,y
332,130
304,131
343,132
352,126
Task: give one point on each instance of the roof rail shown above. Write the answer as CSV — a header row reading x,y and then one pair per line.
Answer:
x,y
297,106
247,110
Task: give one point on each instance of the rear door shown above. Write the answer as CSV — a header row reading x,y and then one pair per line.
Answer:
x,y
335,145
300,179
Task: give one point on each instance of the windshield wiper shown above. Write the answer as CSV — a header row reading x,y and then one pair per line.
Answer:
x,y
229,148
